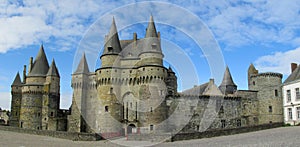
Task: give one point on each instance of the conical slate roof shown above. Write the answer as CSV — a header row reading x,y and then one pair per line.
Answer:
x,y
151,30
53,70
112,44
17,80
82,66
227,78
295,75
40,65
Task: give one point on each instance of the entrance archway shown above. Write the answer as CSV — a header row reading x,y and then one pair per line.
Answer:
x,y
129,128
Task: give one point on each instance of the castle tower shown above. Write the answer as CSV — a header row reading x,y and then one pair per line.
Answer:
x,y
108,122
151,53
16,92
251,71
32,93
112,47
51,99
269,95
227,86
79,84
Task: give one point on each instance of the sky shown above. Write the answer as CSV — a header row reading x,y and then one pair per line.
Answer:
x,y
199,37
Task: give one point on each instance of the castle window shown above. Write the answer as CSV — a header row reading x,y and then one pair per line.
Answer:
x,y
270,109
151,109
52,114
253,82
151,127
16,112
38,128
111,91
130,71
130,105
154,46
21,124
110,49
276,92
39,114
45,118
255,119
223,123
288,95
106,108
238,123
297,94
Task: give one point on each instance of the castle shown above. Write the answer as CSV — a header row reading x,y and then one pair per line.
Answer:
x,y
133,92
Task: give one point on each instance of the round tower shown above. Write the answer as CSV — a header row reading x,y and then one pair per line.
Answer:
x,y
32,93
269,94
109,110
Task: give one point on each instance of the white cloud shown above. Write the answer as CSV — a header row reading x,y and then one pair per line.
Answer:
x,y
279,61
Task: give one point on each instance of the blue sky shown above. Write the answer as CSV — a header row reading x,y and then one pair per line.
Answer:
x,y
263,32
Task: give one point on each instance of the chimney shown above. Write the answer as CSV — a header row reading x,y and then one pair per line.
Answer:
x,y
211,81
293,66
134,36
30,64
24,74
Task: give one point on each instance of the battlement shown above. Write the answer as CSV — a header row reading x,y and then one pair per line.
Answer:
x,y
267,74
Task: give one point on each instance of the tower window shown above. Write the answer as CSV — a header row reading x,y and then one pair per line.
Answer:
x,y
151,109
52,114
21,124
106,108
238,123
151,127
223,123
154,46
253,82
270,109
276,92
111,91
110,49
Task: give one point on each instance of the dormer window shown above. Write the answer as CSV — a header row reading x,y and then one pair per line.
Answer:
x,y
110,49
154,46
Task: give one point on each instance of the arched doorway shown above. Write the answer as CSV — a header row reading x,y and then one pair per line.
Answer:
x,y
129,128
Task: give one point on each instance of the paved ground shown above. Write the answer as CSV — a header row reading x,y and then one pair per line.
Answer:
x,y
286,136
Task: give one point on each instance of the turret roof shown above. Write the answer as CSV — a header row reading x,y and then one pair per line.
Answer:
x,y
40,66
82,66
53,70
17,80
112,43
151,30
227,78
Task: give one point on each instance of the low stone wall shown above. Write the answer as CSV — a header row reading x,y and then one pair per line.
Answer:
x,y
198,135
75,136
214,133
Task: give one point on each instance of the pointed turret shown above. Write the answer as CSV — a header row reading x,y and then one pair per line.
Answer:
x,y
17,80
227,86
53,70
112,44
82,66
40,66
251,71
151,30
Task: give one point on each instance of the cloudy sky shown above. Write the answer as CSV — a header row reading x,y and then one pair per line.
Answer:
x,y
263,32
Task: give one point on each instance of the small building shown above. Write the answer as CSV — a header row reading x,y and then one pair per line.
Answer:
x,y
291,96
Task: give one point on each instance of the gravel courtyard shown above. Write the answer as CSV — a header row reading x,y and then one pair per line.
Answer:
x,y
285,136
